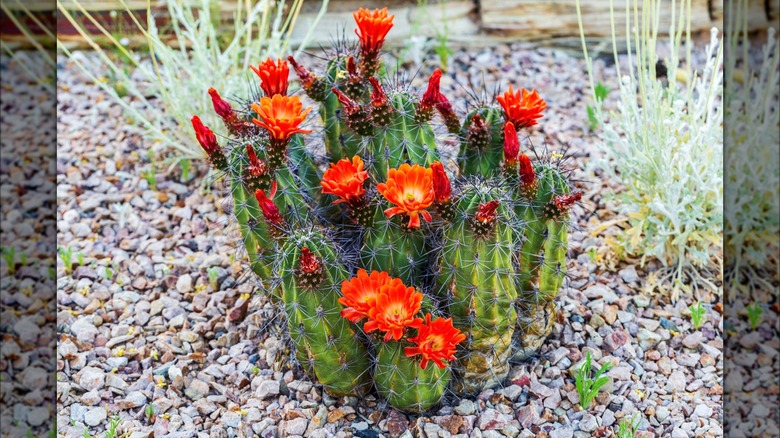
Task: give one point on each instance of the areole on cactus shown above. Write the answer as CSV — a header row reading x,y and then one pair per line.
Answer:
x,y
395,271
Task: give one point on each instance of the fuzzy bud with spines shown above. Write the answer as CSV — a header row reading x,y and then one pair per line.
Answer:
x,y
358,118
484,221
208,141
310,269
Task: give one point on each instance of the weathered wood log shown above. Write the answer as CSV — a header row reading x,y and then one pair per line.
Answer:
x,y
549,19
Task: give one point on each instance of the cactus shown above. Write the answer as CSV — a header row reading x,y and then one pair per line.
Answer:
x,y
326,344
545,200
402,381
481,149
384,251
477,276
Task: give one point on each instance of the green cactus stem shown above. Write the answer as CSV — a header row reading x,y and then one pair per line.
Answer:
x,y
326,345
482,147
390,246
403,383
477,275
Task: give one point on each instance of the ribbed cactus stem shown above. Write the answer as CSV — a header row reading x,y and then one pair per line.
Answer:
x,y
326,345
482,147
390,246
402,381
477,274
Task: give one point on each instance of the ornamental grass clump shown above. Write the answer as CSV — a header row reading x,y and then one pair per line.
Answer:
x,y
395,273
664,144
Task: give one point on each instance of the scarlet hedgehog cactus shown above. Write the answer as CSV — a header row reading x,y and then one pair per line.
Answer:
x,y
397,272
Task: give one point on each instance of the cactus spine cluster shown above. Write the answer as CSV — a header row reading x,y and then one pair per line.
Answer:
x,y
394,272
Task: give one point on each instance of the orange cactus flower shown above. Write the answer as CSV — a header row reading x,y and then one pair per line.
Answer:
x,y
394,310
436,341
273,76
345,179
410,188
360,292
373,27
522,108
281,116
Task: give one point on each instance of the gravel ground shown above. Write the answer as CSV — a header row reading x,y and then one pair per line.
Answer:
x,y
27,307
140,323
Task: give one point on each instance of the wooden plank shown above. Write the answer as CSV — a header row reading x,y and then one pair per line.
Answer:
x,y
543,19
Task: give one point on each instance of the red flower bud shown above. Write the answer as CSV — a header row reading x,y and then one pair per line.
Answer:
x,y
309,263
486,212
270,210
527,174
205,136
350,106
511,143
564,202
307,79
441,183
378,95
221,107
432,95
257,167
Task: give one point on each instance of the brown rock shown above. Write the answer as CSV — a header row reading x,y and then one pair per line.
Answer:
x,y
451,423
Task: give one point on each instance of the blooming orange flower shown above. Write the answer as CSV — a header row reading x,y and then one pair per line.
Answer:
x,y
273,76
281,116
511,144
360,292
441,183
523,107
394,310
436,341
410,188
373,27
345,179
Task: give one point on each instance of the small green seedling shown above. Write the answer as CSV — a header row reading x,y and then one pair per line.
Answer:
x,y
255,370
109,274
600,91
213,274
66,255
80,256
185,169
86,433
697,314
149,412
9,255
29,434
628,428
588,387
150,175
52,273
113,424
755,312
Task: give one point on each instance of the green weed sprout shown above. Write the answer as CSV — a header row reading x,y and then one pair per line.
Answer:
x,y
150,175
149,412
213,273
628,428
66,255
9,254
697,314
600,93
113,424
755,312
185,169
588,387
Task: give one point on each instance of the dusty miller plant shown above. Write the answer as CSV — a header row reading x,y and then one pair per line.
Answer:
x,y
752,163
664,144
205,54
